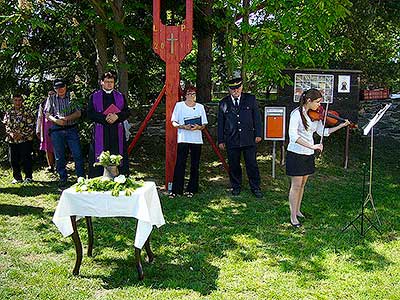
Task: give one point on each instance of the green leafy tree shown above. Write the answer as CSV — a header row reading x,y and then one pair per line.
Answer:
x,y
374,31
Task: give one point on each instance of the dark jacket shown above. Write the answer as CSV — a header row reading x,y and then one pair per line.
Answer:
x,y
239,128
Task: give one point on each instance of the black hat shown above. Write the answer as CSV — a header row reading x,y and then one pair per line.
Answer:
x,y
235,83
59,83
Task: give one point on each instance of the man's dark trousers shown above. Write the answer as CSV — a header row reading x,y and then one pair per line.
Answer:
x,y
235,170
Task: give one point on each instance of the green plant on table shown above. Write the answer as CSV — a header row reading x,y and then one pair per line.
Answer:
x,y
119,184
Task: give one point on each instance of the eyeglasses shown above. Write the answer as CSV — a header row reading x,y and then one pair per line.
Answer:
x,y
191,94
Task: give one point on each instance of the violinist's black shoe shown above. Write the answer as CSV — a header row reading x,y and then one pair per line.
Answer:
x,y
298,225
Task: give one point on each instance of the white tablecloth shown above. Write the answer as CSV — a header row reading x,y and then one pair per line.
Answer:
x,y
143,204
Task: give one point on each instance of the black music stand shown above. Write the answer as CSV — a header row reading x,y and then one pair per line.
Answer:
x,y
368,199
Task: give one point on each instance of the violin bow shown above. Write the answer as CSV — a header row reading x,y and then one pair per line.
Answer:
x,y
323,127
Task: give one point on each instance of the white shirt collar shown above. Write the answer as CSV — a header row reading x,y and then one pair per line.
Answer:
x,y
233,99
108,92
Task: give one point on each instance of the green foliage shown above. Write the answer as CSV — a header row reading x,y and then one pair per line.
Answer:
x,y
41,40
373,28
56,39
100,184
279,35
293,34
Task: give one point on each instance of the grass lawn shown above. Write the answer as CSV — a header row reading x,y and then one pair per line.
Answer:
x,y
215,246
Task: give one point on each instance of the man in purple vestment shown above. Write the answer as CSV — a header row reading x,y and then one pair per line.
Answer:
x,y
108,109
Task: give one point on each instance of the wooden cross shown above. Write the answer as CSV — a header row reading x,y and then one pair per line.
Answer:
x,y
172,40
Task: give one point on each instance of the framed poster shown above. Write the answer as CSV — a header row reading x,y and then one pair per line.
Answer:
x,y
344,84
321,82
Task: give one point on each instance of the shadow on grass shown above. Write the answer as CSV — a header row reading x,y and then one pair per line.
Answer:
x,y
161,274
116,235
36,188
212,226
18,210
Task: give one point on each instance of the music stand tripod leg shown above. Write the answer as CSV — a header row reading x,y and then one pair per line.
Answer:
x,y
371,200
369,197
361,214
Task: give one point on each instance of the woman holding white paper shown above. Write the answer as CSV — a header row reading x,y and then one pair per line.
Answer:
x,y
190,118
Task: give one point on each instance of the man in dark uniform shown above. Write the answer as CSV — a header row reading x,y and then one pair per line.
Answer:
x,y
239,130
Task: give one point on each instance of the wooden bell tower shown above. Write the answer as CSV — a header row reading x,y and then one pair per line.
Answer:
x,y
172,44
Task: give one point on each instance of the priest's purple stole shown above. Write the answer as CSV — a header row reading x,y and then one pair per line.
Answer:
x,y
99,128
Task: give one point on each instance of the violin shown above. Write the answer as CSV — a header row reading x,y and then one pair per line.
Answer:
x,y
332,117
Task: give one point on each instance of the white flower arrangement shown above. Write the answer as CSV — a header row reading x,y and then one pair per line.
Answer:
x,y
120,179
106,159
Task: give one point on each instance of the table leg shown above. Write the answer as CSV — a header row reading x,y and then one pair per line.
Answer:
x,y
78,246
150,254
138,261
89,226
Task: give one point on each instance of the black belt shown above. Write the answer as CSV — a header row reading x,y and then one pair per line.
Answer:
x,y
59,128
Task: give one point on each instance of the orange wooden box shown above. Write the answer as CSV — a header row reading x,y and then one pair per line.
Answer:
x,y
274,123
274,127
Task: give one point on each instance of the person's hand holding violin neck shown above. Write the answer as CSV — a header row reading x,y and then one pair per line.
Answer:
x,y
346,123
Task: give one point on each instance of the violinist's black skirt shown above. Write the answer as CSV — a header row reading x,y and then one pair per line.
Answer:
x,y
299,164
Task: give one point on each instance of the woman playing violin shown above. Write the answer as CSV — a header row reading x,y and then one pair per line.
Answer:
x,y
300,162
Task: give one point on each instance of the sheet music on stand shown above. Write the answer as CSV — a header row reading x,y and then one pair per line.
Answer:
x,y
376,118
369,198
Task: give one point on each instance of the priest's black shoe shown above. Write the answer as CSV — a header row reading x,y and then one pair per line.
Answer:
x,y
235,192
62,185
257,193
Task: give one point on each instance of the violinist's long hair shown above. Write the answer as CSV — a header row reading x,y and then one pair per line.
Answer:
x,y
312,94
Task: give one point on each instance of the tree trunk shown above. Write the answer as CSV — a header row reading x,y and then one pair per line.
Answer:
x,y
204,57
119,47
120,53
204,60
245,41
101,48
228,49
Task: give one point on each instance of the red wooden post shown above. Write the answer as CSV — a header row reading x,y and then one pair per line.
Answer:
x,y
172,44
211,141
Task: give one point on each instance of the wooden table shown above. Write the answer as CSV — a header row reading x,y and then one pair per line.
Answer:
x,y
143,204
